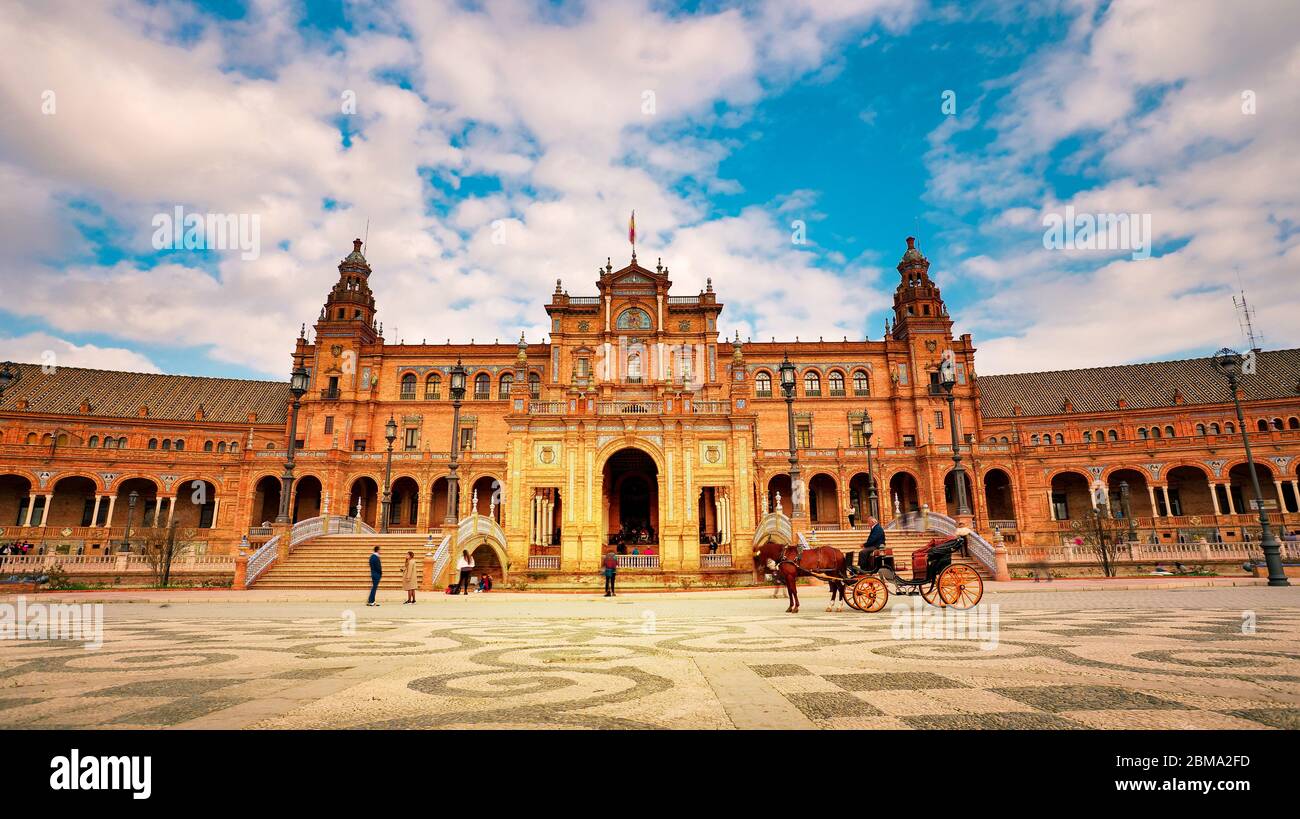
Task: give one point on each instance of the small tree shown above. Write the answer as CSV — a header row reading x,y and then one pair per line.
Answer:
x,y
160,546
1098,534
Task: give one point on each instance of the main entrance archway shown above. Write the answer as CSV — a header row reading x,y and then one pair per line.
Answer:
x,y
630,488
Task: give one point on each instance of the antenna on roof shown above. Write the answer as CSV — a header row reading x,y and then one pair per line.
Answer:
x,y
365,237
1246,317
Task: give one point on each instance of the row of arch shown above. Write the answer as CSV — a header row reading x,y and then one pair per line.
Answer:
x,y
411,507
120,442
80,500
811,377
1154,432
1186,490
826,507
480,383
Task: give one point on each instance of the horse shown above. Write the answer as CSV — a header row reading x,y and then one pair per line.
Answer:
x,y
788,563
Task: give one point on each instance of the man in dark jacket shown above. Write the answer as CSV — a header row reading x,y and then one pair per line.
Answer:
x,y
875,540
376,572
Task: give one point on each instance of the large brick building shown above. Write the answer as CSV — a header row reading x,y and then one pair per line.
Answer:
x,y
634,415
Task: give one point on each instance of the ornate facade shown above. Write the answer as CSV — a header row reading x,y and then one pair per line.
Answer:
x,y
635,415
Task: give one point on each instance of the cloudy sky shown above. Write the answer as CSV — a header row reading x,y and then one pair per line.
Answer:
x,y
496,146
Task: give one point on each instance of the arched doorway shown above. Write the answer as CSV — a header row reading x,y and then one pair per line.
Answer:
x,y
779,484
487,489
860,498
73,503
266,501
823,500
1139,498
365,493
487,561
1243,491
306,498
630,485
404,510
195,505
950,492
999,502
15,492
904,493
1189,491
1071,496
438,503
146,504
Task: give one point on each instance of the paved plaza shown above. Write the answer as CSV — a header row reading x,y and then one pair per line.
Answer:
x,y
1083,656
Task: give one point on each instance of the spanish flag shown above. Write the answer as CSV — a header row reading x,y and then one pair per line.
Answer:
x,y
631,229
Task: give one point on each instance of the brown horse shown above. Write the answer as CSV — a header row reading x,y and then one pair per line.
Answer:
x,y
788,563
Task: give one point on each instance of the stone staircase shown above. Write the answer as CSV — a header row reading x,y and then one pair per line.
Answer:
x,y
342,561
902,544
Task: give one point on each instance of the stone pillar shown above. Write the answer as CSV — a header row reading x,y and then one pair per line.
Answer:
x,y
171,509
1151,493
1051,507
112,502
157,510
241,570
31,505
216,510
1232,504
1281,499
1214,496
45,513
94,515
1295,491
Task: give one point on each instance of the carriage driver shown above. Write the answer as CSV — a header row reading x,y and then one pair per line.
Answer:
x,y
875,540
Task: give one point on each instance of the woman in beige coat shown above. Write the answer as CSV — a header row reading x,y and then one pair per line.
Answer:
x,y
408,577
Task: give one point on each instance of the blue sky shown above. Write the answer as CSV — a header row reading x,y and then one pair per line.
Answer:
x,y
497,146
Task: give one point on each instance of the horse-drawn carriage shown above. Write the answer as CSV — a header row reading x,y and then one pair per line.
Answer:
x,y
938,580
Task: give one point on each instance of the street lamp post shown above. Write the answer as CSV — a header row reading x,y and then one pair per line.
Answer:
x,y
867,429
390,435
297,387
9,373
453,487
1128,511
948,378
1229,363
130,512
787,373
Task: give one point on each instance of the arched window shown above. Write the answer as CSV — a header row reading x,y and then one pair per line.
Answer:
x,y
121,442
1005,440
1200,429
634,319
1263,425
1277,423
1155,432
180,443
31,437
1293,423
1087,437
153,443
837,383
408,387
1214,429
482,387
221,447
1230,428
1113,435
507,381
207,446
812,383
93,442
234,446
166,445
861,383
1169,432
1033,439
763,385
433,387
1099,436
534,385
1142,433
1060,439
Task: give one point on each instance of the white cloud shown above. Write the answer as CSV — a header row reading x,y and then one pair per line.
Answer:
x,y
45,349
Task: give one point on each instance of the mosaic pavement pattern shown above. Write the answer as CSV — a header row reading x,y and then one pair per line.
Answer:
x,y
1066,669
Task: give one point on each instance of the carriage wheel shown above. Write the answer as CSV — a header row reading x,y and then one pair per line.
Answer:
x,y
850,594
870,595
930,594
960,586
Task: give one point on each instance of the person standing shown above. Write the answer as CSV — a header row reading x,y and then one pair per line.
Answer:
x,y
376,572
408,577
610,568
465,563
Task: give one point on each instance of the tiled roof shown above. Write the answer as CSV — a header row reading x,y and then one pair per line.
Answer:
x,y
170,397
1142,386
